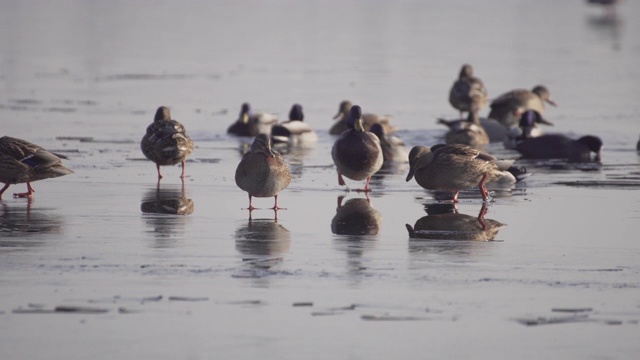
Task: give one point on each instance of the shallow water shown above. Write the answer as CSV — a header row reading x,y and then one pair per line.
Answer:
x,y
560,279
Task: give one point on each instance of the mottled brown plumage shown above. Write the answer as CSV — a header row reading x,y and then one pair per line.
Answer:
x,y
468,93
456,167
468,132
508,107
24,162
166,141
262,171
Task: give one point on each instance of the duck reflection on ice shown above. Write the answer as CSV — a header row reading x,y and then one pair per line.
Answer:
x,y
22,221
166,201
262,241
443,222
158,204
356,217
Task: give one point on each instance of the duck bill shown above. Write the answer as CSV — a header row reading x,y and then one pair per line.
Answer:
x,y
551,102
544,121
599,156
412,172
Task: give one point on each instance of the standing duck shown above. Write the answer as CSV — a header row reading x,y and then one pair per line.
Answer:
x,y
252,124
295,131
24,162
367,120
166,141
457,167
508,107
468,93
262,171
357,153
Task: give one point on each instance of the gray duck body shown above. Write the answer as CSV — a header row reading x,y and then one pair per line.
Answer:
x,y
262,171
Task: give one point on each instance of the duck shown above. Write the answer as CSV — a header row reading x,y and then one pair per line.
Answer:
x,y
166,141
251,124
468,93
527,128
495,130
508,107
469,132
456,167
295,131
25,162
559,146
357,153
393,148
262,172
367,120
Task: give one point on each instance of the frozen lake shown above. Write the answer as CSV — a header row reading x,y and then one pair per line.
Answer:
x,y
560,280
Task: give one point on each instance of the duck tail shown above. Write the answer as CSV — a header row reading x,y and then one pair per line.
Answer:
x,y
519,172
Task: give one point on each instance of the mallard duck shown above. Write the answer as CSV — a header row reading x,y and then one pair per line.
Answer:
x,y
262,171
166,141
252,124
559,146
357,153
295,131
468,132
393,149
508,107
367,120
24,162
527,128
457,167
468,93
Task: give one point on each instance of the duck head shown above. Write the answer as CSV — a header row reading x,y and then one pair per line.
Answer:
x,y
419,156
296,113
245,113
343,110
163,113
594,144
262,144
466,72
544,94
528,121
354,119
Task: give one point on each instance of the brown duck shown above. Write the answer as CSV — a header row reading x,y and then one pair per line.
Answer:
x,y
166,141
262,171
24,162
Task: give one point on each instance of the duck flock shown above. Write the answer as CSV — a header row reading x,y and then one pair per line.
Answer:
x,y
363,143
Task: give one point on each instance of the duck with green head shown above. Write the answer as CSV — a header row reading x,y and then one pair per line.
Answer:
x,y
357,153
